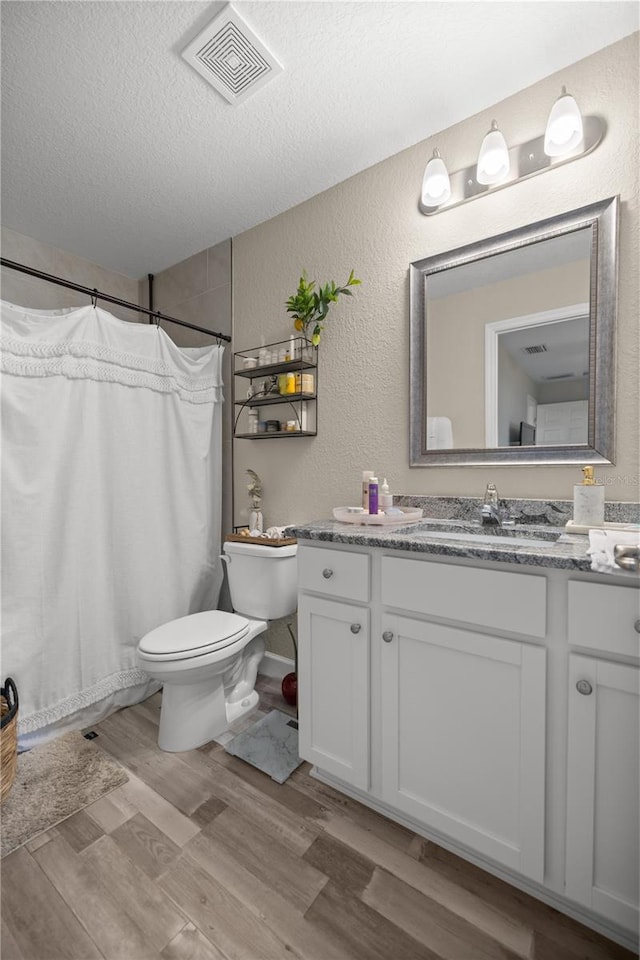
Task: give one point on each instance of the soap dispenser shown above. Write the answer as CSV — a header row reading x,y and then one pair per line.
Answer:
x,y
588,501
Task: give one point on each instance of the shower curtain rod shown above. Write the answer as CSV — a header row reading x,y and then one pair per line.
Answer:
x,y
50,278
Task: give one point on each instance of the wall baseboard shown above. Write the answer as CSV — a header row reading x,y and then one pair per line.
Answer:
x,y
273,665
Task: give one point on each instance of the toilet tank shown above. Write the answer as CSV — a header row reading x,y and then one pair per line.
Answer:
x,y
263,580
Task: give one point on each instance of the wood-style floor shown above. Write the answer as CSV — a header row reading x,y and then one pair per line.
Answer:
x,y
201,857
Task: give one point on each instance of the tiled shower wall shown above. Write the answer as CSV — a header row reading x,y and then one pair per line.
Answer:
x,y
198,290
28,291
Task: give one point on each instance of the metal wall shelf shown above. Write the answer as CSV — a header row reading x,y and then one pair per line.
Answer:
x,y
251,365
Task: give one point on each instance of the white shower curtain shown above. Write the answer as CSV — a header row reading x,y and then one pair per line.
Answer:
x,y
111,501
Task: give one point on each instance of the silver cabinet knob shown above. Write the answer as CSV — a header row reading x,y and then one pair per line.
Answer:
x,y
356,628
584,687
387,636
327,573
636,626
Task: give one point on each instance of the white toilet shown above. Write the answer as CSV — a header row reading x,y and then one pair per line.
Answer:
x,y
208,662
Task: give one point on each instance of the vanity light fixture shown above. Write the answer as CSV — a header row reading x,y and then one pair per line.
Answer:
x,y
436,186
564,131
493,159
567,136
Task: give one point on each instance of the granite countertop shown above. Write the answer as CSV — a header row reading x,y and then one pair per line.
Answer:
x,y
568,552
454,519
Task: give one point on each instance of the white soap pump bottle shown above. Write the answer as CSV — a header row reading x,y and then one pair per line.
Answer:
x,y
588,501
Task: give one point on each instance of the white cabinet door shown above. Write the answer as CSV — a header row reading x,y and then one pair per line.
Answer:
x,y
333,678
464,737
603,802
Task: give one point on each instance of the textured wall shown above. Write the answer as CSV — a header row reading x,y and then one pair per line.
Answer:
x,y
30,292
371,222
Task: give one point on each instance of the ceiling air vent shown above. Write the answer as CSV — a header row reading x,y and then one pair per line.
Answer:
x,y
536,348
231,58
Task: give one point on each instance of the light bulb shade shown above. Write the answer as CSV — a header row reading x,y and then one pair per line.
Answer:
x,y
493,159
564,127
436,186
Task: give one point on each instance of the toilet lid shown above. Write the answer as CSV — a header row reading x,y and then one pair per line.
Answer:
x,y
193,636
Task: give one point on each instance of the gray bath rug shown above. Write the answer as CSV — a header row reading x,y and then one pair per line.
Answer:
x,y
271,745
52,782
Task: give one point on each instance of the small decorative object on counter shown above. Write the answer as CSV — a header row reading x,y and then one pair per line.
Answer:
x,y
386,500
588,500
366,476
254,488
373,495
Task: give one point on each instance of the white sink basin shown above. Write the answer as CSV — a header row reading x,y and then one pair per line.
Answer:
x,y
473,532
500,539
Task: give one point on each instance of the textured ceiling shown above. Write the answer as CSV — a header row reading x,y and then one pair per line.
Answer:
x,y
115,149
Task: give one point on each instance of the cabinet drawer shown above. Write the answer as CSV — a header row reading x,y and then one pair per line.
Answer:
x,y
514,602
603,617
336,573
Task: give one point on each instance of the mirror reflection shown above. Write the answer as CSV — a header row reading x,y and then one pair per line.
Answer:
x,y
515,326
512,345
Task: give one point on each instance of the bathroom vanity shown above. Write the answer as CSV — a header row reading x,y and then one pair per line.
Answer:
x,y
487,697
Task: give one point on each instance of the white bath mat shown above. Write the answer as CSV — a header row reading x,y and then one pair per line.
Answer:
x,y
271,745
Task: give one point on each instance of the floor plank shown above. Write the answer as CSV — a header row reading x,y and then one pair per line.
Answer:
x,y
286,795
295,879
190,944
92,901
164,772
79,830
144,902
261,898
36,918
516,936
548,925
150,849
330,799
444,932
275,820
348,870
222,918
111,811
159,811
367,935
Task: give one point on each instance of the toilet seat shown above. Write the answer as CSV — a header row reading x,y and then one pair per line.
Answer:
x,y
193,636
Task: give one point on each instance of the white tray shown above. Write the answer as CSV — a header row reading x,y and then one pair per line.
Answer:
x,y
409,515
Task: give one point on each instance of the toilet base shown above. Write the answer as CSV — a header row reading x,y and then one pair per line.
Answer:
x,y
193,714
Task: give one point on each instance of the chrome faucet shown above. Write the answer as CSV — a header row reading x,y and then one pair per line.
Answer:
x,y
491,514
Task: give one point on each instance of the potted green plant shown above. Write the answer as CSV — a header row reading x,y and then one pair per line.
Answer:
x,y
310,307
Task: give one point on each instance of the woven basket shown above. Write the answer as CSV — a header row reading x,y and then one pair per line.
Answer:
x,y
8,736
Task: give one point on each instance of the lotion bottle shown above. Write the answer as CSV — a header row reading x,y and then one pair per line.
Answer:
x,y
373,496
588,501
385,498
